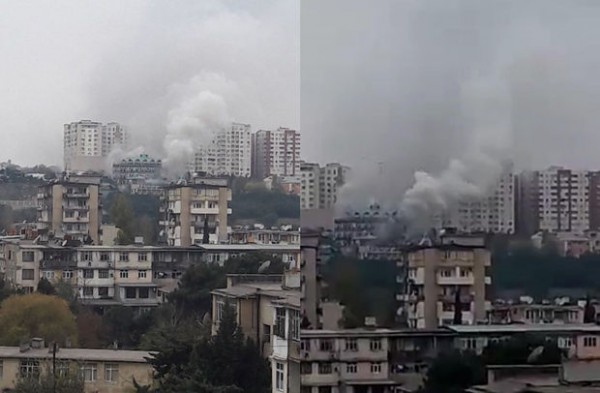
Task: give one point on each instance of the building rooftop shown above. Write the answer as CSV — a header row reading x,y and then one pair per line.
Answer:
x,y
249,247
526,328
366,332
82,354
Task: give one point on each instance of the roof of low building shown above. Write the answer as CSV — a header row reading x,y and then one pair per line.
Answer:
x,y
526,328
77,354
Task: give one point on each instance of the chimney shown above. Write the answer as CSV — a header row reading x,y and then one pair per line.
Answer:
x,y
37,343
370,322
24,347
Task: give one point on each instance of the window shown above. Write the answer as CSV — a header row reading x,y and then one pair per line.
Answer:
x,y
124,274
141,274
27,274
88,273
279,329
324,389
144,293
142,256
1,368
89,372
29,368
103,292
130,293
111,372
49,275
295,324
86,256
351,368
105,256
27,256
351,344
124,256
279,376
305,345
103,273
375,344
326,344
67,274
589,341
376,368
324,368
88,291
305,368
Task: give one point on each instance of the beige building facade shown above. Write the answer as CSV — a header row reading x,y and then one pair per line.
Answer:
x,y
186,206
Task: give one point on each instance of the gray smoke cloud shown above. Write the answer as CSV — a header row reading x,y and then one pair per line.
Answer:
x,y
426,101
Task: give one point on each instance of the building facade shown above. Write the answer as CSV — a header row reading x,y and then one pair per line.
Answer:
x,y
493,213
228,154
87,144
141,167
103,370
320,185
70,207
188,208
276,153
436,276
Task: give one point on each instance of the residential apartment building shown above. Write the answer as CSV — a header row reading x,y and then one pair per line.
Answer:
x,y
434,275
535,313
188,208
228,154
87,144
264,236
320,185
493,213
559,200
141,167
368,360
219,253
103,370
70,207
276,153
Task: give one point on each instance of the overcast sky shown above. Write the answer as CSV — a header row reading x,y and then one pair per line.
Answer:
x,y
134,61
383,81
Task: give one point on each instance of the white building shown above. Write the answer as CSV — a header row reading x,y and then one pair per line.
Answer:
x,y
320,185
87,144
494,213
228,154
276,153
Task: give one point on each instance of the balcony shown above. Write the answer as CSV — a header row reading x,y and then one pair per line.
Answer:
x,y
455,280
205,210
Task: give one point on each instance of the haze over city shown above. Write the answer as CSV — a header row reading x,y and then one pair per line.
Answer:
x,y
134,62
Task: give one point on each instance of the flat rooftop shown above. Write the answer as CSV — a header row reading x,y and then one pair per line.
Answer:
x,y
366,332
526,328
78,354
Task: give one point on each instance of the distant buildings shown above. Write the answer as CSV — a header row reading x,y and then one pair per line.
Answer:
x,y
320,185
141,167
87,144
228,154
276,153
190,208
494,213
70,206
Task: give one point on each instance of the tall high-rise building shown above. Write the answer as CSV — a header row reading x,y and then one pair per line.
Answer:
x,y
190,208
71,207
276,153
87,144
494,213
320,185
228,154
559,200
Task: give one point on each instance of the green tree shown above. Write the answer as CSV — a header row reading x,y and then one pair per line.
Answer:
x,y
48,382
519,349
123,326
192,297
453,372
36,315
45,287
250,262
121,214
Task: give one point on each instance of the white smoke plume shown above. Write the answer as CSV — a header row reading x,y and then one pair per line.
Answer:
x,y
486,109
118,153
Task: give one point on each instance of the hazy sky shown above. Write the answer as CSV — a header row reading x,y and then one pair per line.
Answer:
x,y
384,81
134,61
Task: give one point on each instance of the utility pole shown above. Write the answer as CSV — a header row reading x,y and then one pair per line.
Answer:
x,y
54,367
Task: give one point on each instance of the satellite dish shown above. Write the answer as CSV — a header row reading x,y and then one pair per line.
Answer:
x,y
264,266
64,243
535,354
